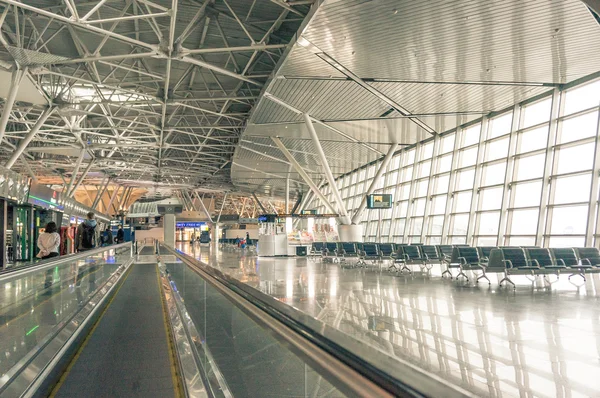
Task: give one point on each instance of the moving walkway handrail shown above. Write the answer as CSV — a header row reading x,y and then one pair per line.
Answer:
x,y
19,272
314,342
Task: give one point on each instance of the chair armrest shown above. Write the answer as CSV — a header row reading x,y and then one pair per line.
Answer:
x,y
485,259
586,261
426,256
406,256
507,262
462,260
537,264
562,262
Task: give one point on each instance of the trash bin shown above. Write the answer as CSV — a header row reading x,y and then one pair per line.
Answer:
x,y
301,251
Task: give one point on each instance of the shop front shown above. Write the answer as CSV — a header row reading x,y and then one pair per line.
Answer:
x,y
190,230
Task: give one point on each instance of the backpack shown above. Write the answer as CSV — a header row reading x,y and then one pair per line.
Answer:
x,y
87,236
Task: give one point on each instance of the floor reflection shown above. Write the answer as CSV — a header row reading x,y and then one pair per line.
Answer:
x,y
494,342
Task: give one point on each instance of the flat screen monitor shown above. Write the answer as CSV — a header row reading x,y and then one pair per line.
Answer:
x,y
379,201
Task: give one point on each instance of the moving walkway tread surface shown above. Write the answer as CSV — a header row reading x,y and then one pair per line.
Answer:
x,y
127,353
147,251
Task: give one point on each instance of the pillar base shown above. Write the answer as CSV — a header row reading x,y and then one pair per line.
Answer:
x,y
350,233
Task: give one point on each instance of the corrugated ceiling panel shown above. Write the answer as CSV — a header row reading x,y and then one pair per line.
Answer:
x,y
443,98
511,40
301,62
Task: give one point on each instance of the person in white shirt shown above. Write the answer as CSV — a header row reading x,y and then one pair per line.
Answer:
x,y
49,242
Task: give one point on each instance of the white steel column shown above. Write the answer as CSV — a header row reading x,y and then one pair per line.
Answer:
x,y
327,170
384,165
15,82
29,170
508,176
203,207
222,205
85,173
548,167
302,173
112,199
75,171
32,133
287,193
593,206
483,133
101,193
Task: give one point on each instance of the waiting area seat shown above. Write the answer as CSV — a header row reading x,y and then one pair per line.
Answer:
x,y
468,259
370,252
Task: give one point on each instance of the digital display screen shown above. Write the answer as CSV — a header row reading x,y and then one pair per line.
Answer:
x,y
267,218
379,201
309,212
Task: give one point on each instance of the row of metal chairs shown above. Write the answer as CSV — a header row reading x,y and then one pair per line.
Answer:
x,y
529,261
400,256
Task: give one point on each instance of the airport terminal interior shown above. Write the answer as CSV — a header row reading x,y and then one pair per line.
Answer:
x,y
299,198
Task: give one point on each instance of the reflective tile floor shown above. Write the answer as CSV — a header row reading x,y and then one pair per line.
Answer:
x,y
532,342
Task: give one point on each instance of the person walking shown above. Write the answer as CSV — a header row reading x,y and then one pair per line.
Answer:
x,y
108,237
248,241
85,237
120,235
49,242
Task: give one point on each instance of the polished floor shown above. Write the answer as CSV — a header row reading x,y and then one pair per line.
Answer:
x,y
537,341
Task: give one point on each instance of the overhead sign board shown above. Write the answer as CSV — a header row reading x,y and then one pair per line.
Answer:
x,y
169,209
248,220
190,224
42,196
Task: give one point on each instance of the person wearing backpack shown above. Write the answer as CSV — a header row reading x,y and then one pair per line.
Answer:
x,y
85,239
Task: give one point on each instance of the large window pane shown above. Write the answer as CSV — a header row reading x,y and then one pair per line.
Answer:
x,y
427,151
401,209
460,224
409,157
530,167
416,225
465,179
490,199
422,187
398,227
570,220
403,192
486,241
496,149
532,140
439,204
524,222
424,169
448,143
583,97
471,135
580,157
419,207
521,241
437,224
407,173
468,157
442,183
537,113
579,127
493,174
462,202
445,163
567,241
572,189
500,125
489,223
528,194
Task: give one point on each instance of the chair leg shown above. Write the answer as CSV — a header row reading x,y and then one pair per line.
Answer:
x,y
447,271
483,276
461,273
405,267
507,279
